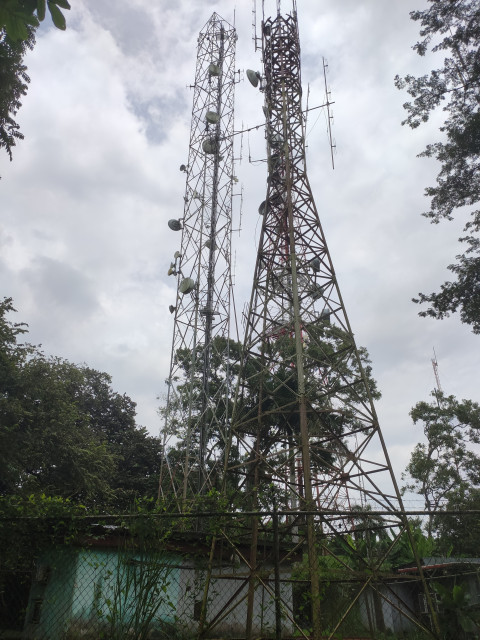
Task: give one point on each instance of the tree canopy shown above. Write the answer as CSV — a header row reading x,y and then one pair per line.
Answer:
x,y
452,28
65,432
445,470
272,390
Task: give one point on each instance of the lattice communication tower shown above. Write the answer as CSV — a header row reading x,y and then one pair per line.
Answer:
x,y
304,426
202,266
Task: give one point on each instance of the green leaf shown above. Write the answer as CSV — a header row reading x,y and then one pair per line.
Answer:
x,y
30,5
15,27
62,3
14,18
41,8
57,16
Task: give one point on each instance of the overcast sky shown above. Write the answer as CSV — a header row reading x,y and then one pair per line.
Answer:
x,y
85,246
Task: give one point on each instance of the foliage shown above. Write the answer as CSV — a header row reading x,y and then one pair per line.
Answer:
x,y
457,617
139,595
445,468
129,578
134,596
18,22
28,526
360,553
275,388
187,410
65,432
452,28
18,17
14,83
457,533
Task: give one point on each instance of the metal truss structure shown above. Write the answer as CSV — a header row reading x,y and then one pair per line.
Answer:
x,y
306,457
202,266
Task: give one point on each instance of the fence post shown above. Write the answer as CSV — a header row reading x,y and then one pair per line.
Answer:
x,y
276,560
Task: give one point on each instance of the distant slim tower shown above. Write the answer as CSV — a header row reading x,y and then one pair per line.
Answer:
x,y
305,431
202,266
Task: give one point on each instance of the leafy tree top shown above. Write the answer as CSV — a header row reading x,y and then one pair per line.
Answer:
x,y
452,28
65,432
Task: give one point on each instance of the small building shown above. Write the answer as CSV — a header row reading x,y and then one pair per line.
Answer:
x,y
109,587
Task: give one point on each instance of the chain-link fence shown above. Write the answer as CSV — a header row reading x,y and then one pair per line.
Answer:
x,y
148,578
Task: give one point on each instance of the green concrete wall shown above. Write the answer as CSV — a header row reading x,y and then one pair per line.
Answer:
x,y
88,590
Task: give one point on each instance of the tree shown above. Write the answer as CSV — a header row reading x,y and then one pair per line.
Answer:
x,y
445,470
65,432
18,22
275,389
458,533
13,356
111,416
14,83
55,449
453,28
185,414
18,17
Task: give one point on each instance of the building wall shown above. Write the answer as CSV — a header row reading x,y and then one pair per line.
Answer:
x,y
51,595
82,592
85,591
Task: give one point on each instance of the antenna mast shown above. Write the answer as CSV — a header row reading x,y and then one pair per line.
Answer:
x,y
438,391
304,429
329,113
202,267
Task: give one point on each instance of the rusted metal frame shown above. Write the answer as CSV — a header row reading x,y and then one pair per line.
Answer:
x,y
350,607
349,482
409,616
192,365
374,417
318,411
373,586
300,384
350,549
221,206
206,588
373,495
276,566
270,412
213,198
378,491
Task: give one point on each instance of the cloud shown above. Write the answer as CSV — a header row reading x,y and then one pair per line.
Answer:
x,y
61,288
85,244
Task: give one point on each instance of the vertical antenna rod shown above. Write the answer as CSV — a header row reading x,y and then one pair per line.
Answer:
x,y
329,114
438,391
